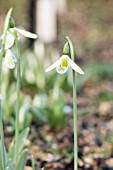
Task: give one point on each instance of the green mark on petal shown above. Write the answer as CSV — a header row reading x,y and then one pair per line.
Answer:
x,y
65,62
61,70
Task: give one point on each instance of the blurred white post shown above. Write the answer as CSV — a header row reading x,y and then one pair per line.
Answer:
x,y
46,15
61,6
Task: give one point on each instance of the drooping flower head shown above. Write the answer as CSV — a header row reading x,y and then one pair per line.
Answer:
x,y
63,64
9,59
13,32
11,35
9,40
16,31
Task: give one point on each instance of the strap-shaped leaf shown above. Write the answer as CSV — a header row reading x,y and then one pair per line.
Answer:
x,y
8,162
22,160
22,136
0,159
6,25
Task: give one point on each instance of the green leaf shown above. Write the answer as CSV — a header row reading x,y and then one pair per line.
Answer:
x,y
0,159
22,160
9,165
22,136
8,162
39,113
6,25
33,162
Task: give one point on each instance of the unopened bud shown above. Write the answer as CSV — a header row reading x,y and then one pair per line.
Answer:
x,y
66,49
11,23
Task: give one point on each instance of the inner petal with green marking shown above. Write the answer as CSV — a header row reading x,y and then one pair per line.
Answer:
x,y
65,62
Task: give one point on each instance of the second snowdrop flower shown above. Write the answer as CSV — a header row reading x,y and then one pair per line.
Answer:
x,y
9,59
9,40
63,64
16,31
23,32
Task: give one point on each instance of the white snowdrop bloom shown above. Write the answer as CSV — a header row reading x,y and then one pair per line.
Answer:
x,y
63,64
23,32
9,59
9,40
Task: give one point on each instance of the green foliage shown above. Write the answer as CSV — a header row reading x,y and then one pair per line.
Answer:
x,y
22,136
22,160
8,161
6,25
33,162
46,107
95,72
105,96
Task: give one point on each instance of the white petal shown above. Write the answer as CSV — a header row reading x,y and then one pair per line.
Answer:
x,y
61,70
9,40
54,65
9,59
26,33
75,67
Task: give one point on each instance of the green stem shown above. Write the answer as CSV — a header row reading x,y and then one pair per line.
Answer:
x,y
6,26
18,103
1,122
74,108
33,162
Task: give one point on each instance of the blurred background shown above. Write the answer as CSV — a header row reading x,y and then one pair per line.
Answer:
x,y
46,99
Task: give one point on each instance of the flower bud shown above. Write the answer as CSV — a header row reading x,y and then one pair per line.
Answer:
x,y
11,23
66,49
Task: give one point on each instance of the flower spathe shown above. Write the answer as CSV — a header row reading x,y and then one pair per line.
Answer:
x,y
63,64
9,59
23,32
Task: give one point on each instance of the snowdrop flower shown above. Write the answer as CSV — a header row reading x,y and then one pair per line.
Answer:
x,y
16,31
63,64
9,40
9,59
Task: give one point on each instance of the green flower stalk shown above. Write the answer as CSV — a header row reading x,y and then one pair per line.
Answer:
x,y
74,108
18,102
62,65
1,119
9,37
10,61
6,25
